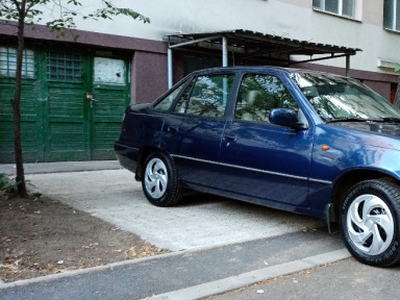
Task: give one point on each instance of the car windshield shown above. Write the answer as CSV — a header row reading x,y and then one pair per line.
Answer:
x,y
337,98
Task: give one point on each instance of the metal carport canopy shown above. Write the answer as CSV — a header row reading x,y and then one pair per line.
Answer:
x,y
255,46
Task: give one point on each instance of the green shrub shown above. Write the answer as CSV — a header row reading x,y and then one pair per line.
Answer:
x,y
7,184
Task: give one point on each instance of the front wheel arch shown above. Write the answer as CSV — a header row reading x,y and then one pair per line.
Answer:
x,y
370,222
343,184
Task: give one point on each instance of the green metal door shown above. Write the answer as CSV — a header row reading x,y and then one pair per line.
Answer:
x,y
72,105
66,127
107,103
87,97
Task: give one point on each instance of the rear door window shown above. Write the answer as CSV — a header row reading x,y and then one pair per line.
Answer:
x,y
165,104
206,96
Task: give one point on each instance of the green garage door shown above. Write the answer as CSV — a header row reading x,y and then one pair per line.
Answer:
x,y
72,105
29,106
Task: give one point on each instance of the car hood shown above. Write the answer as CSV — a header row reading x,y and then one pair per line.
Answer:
x,y
387,129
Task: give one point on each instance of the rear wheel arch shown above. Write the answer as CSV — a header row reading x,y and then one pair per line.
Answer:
x,y
143,154
161,183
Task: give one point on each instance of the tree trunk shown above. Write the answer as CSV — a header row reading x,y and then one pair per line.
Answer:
x,y
20,178
397,96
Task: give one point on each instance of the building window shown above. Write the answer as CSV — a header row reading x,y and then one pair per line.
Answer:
x,y
8,63
345,8
64,67
391,14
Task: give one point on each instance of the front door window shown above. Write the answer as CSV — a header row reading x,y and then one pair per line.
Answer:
x,y
259,94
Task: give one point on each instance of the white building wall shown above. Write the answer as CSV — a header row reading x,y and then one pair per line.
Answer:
x,y
293,19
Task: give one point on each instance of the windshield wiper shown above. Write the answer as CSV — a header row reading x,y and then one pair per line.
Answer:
x,y
349,120
382,120
389,120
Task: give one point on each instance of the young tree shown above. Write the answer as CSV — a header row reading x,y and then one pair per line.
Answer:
x,y
396,102
397,95
28,12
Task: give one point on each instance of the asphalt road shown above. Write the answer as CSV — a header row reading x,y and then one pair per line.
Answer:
x,y
187,274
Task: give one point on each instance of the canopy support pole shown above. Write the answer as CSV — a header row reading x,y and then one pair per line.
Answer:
x,y
224,51
170,69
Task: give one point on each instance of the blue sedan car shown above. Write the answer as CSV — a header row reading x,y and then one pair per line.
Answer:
x,y
302,141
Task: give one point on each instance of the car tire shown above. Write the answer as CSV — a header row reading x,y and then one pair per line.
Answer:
x,y
161,184
369,222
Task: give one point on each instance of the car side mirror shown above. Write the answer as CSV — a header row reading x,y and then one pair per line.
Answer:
x,y
287,118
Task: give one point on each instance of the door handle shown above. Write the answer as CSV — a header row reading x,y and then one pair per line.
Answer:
x,y
90,98
172,129
230,138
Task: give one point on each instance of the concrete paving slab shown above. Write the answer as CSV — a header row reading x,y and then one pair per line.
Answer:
x,y
62,166
199,222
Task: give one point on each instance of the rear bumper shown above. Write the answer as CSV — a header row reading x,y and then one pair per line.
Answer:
x,y
127,157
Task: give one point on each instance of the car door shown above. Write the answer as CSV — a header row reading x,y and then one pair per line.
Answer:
x,y
192,132
262,161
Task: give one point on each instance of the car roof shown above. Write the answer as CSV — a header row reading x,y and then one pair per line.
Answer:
x,y
236,69
244,68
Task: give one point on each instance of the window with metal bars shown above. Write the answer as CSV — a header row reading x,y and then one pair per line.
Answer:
x,y
64,67
391,14
8,63
345,8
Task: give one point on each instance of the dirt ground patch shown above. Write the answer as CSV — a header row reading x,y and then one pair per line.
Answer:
x,y
41,236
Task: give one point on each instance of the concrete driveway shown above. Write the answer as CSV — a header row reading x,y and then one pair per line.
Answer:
x,y
200,221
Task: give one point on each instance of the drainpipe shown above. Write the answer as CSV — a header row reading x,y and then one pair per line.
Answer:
x,y
225,64
170,70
